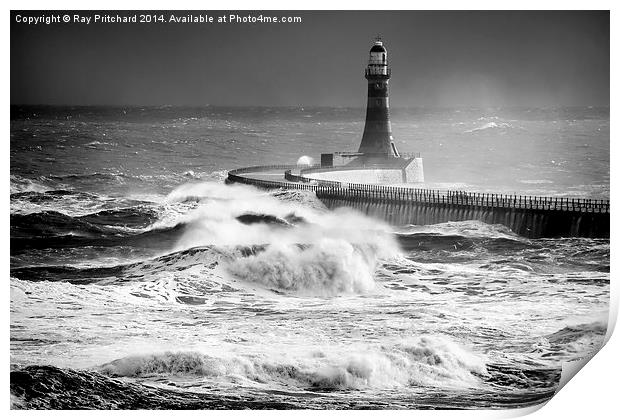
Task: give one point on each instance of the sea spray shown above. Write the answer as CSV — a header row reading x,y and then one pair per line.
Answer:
x,y
216,220
329,267
212,190
309,250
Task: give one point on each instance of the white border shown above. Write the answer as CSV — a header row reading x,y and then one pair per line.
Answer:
x,y
592,394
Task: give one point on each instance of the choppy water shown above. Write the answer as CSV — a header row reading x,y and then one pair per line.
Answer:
x,y
140,280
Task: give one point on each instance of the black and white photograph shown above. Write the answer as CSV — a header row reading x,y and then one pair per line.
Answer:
x,y
306,209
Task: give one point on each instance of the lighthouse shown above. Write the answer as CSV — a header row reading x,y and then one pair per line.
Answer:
x,y
377,139
377,161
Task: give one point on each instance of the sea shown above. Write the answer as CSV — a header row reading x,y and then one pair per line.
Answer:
x,y
139,279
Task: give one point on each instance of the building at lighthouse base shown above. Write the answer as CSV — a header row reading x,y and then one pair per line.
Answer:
x,y
365,168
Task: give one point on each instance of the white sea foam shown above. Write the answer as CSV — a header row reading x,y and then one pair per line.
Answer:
x,y
100,143
423,361
329,267
20,184
490,125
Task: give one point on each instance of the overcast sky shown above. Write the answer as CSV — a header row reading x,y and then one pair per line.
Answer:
x,y
437,59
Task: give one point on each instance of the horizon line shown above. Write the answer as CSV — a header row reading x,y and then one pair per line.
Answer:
x,y
304,106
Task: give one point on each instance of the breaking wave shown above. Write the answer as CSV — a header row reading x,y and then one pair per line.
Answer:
x,y
49,387
123,272
329,267
70,232
421,362
21,184
573,341
307,249
52,222
325,269
456,236
50,195
69,202
494,124
266,239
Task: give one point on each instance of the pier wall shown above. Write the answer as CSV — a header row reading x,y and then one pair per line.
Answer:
x,y
366,176
531,223
529,216
414,172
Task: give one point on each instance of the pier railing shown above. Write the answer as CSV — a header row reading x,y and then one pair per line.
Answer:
x,y
354,191
409,155
405,155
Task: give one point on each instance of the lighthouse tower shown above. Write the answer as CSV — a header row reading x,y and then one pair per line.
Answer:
x,y
377,160
377,139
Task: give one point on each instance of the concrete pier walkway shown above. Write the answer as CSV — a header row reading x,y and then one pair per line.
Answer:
x,y
530,216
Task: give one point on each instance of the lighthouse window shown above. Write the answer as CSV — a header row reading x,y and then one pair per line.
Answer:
x,y
383,58
394,150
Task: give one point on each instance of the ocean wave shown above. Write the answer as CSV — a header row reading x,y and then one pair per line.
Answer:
x,y
421,362
577,258
219,219
303,250
338,253
330,267
491,126
457,236
128,217
49,223
575,332
448,242
93,176
38,197
69,202
324,269
100,143
70,232
220,175
573,341
49,387
537,379
132,271
211,190
21,184
302,198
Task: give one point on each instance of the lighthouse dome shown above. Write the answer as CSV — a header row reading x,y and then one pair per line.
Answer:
x,y
378,48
